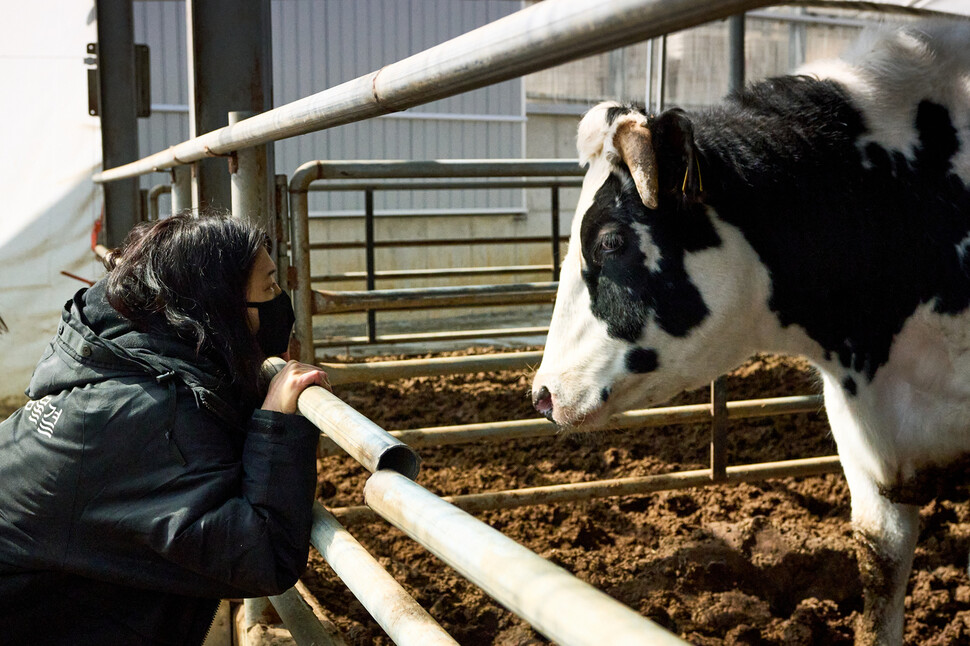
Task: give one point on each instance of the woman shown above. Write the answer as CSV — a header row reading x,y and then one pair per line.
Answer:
x,y
148,476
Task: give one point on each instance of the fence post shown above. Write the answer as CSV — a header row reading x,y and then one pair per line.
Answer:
x,y
369,259
181,189
719,419
555,233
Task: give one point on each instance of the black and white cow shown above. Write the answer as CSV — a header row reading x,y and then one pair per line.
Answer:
x,y
824,215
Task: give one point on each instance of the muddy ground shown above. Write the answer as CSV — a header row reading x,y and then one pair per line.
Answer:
x,y
764,563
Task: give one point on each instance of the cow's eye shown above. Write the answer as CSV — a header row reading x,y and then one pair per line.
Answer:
x,y
609,242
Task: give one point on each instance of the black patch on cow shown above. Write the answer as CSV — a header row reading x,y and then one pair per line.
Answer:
x,y
623,291
853,241
604,395
641,360
615,112
849,385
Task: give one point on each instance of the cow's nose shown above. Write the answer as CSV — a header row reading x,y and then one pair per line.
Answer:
x,y
542,401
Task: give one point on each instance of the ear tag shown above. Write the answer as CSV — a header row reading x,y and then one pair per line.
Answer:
x,y
700,180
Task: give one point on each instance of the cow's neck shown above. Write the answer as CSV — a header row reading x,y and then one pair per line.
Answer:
x,y
855,237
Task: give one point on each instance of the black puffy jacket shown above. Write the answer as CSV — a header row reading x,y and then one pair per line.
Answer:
x,y
134,493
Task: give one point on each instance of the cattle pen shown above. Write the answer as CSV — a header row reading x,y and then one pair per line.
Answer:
x,y
558,605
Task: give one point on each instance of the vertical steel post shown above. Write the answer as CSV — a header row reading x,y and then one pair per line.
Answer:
x,y
282,231
248,183
303,301
119,114
719,420
369,260
662,75
736,55
181,189
555,232
230,68
719,386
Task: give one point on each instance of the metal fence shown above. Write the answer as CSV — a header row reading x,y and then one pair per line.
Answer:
x,y
369,177
559,606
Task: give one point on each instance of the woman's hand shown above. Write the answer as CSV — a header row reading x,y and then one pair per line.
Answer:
x,y
287,385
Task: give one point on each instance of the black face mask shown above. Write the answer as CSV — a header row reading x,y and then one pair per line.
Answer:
x,y
275,323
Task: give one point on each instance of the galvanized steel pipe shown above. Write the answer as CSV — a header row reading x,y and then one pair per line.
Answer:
x,y
538,37
364,440
337,302
336,185
579,491
444,168
649,417
153,194
348,373
401,617
181,189
555,602
299,619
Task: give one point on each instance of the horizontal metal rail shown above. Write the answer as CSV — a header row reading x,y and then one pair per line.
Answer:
x,y
330,186
363,440
338,302
580,491
445,272
429,337
556,603
303,624
349,373
647,418
431,242
538,37
381,169
401,617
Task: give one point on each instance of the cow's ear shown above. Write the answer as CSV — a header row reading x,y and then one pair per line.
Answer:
x,y
634,143
678,158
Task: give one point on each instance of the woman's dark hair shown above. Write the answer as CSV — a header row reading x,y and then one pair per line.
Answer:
x,y
188,275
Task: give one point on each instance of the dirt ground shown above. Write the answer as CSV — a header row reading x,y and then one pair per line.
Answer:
x,y
764,563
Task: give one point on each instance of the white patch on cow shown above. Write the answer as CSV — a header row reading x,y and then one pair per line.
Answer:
x,y
594,133
889,71
647,246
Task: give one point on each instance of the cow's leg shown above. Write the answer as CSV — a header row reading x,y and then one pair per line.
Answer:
x,y
886,535
886,532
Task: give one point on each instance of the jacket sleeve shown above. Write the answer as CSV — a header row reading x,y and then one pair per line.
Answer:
x,y
180,508
257,542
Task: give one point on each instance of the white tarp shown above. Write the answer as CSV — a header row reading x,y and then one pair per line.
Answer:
x,y
51,148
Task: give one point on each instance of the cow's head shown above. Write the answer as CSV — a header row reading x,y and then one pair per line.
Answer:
x,y
647,284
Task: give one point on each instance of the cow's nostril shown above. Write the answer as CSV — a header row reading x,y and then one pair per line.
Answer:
x,y
542,401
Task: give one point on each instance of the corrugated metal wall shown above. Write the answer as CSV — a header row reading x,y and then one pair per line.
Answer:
x,y
318,44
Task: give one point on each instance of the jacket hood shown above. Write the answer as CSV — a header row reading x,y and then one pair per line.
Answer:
x,y
95,343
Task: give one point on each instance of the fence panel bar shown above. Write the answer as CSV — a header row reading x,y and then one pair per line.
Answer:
x,y
562,179
299,619
581,491
334,302
348,373
432,242
181,189
444,272
648,418
302,291
369,259
555,233
401,617
154,193
282,231
556,603
719,420
431,337
364,440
